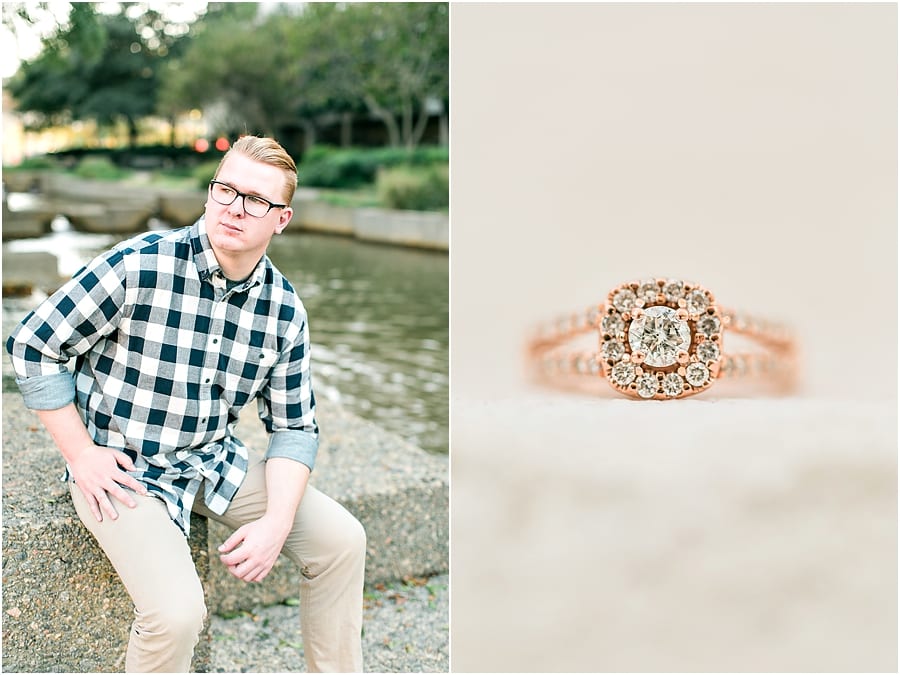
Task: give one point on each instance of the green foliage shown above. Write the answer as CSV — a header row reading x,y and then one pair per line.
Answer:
x,y
39,163
99,168
98,66
415,188
288,72
352,167
203,173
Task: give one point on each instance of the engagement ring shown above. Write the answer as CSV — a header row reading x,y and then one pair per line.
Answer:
x,y
662,339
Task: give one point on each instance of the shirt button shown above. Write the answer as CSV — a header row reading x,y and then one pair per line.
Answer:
x,y
203,421
207,380
215,341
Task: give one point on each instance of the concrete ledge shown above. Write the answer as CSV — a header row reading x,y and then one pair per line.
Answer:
x,y
323,217
64,607
408,228
399,493
101,206
419,229
25,271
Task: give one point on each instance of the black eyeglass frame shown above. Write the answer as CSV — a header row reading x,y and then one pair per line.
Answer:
x,y
243,195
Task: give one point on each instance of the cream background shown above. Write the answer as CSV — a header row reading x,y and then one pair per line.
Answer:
x,y
750,148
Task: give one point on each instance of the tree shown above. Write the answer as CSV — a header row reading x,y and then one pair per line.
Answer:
x,y
399,62
232,67
303,65
101,67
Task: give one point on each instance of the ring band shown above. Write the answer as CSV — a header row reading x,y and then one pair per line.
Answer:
x,y
662,339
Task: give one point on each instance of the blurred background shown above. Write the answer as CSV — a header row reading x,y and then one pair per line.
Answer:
x,y
115,116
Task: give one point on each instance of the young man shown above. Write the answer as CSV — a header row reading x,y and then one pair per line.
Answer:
x,y
172,334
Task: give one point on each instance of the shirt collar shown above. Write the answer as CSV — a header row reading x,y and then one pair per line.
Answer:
x,y
205,258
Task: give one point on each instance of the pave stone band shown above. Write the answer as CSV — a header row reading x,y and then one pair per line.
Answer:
x,y
663,339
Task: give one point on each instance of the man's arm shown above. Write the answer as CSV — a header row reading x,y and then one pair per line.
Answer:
x,y
252,550
288,410
95,469
67,324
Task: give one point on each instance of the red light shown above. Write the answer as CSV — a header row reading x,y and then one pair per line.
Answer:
x,y
222,144
201,145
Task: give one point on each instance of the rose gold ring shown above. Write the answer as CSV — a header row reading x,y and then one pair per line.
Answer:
x,y
662,339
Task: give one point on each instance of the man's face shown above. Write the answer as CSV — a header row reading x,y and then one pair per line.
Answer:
x,y
231,230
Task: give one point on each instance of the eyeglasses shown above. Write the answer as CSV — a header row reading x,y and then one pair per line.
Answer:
x,y
254,205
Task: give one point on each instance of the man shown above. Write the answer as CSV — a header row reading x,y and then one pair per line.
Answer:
x,y
172,334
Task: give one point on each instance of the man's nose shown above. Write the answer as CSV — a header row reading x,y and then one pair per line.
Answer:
x,y
236,208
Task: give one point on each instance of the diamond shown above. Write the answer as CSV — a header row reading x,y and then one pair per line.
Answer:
x,y
672,384
697,302
613,350
648,290
673,290
697,374
708,351
623,373
624,300
708,325
613,324
647,386
659,335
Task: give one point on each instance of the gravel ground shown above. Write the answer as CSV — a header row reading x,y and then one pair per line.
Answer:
x,y
405,629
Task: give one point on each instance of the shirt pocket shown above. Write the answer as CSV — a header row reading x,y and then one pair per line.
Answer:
x,y
267,358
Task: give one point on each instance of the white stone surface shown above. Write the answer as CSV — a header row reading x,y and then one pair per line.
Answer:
x,y
724,535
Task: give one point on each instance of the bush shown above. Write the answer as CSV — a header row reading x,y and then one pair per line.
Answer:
x,y
38,163
203,173
99,168
415,188
348,168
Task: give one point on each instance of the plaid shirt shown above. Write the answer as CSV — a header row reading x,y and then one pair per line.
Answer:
x,y
166,355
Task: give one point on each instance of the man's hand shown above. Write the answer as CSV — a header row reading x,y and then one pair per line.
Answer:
x,y
97,474
95,468
252,550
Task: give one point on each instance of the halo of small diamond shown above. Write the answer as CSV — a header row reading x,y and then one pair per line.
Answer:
x,y
697,374
623,373
647,385
677,354
625,300
612,350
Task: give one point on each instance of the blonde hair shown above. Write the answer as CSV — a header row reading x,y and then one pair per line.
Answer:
x,y
268,151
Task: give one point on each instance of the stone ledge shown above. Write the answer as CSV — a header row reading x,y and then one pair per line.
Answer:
x,y
398,492
65,608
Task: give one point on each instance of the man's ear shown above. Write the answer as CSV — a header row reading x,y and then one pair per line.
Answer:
x,y
283,219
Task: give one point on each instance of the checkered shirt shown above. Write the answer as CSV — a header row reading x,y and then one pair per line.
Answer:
x,y
166,355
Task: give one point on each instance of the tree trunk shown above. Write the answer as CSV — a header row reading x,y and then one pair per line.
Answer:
x,y
346,129
309,134
419,130
132,132
444,130
390,122
408,113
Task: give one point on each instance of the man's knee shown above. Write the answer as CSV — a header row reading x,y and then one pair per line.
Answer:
x,y
179,617
356,538
342,545
348,541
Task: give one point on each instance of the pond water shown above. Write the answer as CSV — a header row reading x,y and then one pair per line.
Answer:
x,y
378,320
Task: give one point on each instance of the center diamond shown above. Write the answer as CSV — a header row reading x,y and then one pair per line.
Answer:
x,y
659,335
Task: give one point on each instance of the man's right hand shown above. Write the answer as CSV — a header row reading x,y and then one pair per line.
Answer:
x,y
97,473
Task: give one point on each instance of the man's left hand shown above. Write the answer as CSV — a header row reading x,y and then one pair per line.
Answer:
x,y
252,550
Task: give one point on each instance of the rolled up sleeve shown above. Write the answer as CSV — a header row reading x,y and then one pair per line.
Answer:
x,y
287,405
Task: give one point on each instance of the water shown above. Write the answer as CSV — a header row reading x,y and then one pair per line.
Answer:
x,y
378,319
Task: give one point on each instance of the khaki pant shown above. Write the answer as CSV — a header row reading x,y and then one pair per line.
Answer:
x,y
154,562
